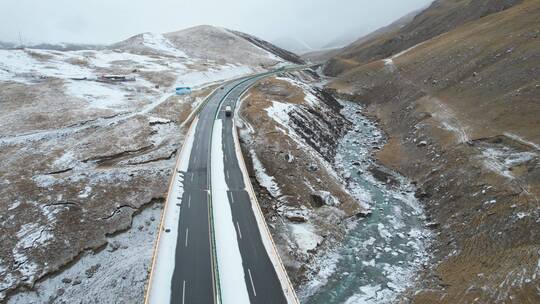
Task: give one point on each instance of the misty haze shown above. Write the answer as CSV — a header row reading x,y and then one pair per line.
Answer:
x,y
317,24
228,152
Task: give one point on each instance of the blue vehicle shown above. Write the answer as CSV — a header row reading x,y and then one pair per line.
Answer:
x,y
183,90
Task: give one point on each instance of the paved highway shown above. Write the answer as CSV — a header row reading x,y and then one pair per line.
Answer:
x,y
259,273
193,277
196,271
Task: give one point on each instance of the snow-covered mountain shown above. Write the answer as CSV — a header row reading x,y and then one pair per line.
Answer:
x,y
204,42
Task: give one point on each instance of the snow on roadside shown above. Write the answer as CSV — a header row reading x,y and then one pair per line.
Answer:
x,y
266,236
103,97
229,259
29,66
160,289
263,178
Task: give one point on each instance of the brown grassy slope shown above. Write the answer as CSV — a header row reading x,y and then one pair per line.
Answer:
x,y
487,71
442,16
472,96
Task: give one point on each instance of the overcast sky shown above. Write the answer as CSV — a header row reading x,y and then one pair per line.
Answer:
x,y
316,22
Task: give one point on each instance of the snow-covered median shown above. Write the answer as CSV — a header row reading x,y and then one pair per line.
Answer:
x,y
231,271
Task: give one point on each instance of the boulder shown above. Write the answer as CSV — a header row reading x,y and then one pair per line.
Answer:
x,y
320,198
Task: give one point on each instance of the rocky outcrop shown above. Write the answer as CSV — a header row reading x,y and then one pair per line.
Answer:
x,y
286,55
289,134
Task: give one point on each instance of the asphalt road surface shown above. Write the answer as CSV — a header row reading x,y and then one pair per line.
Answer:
x,y
193,278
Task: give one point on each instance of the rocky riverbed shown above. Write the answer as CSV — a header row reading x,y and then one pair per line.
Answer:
x,y
379,254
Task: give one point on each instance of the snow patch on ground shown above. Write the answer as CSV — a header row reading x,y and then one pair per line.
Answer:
x,y
158,42
522,140
32,235
279,112
388,62
97,95
310,95
263,178
502,159
19,65
196,79
112,59
116,274
32,66
305,237
449,121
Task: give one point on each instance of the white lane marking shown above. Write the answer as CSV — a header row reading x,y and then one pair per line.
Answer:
x,y
184,293
187,234
191,177
239,231
189,202
227,172
232,198
252,285
225,155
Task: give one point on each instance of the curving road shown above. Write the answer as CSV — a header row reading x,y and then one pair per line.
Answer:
x,y
194,277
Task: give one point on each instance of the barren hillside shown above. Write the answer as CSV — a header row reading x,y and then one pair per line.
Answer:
x,y
442,16
457,92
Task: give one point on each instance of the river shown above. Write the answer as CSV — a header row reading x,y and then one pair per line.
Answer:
x,y
380,254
